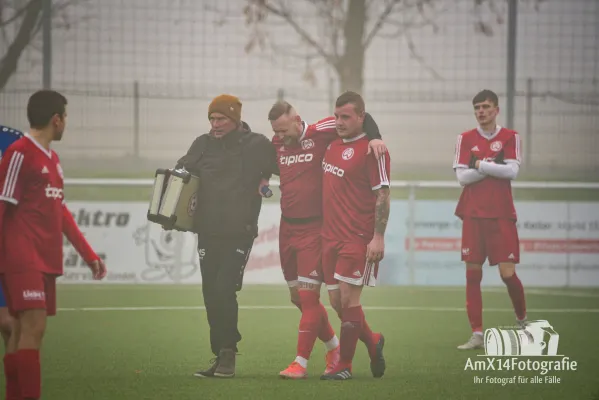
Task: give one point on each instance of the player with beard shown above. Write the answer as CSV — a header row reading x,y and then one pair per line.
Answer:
x,y
300,149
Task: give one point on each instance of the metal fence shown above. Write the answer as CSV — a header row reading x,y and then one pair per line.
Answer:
x,y
139,74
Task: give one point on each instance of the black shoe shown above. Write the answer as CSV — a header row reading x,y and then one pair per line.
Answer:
x,y
208,373
226,364
342,375
377,365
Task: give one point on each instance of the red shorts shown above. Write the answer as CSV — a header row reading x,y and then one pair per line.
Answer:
x,y
346,262
495,239
29,291
300,252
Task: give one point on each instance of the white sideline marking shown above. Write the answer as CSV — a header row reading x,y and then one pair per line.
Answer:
x,y
400,289
373,308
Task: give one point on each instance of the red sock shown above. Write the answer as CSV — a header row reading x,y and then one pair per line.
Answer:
x,y
474,300
367,337
351,329
326,332
516,291
11,374
309,325
29,371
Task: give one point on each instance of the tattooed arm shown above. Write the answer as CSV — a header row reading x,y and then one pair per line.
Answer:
x,y
378,173
381,211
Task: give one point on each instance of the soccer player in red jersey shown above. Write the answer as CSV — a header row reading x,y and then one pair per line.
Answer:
x,y
300,149
355,213
33,218
487,159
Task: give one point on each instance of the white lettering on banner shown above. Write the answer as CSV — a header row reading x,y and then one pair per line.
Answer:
x,y
300,158
329,168
554,250
97,217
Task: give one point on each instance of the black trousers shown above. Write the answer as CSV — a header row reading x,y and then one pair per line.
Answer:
x,y
222,262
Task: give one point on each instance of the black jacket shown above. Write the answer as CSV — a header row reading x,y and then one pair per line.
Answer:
x,y
230,170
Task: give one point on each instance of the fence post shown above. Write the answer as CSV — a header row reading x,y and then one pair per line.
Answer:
x,y
528,146
136,119
411,230
511,61
47,44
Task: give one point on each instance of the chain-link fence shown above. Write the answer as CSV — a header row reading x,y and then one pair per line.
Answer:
x,y
139,74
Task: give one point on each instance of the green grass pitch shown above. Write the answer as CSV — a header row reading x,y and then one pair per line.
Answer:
x,y
144,342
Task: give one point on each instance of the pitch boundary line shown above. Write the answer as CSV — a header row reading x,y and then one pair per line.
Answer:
x,y
372,308
277,287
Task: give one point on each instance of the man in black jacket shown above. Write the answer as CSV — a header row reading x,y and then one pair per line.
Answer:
x,y
231,162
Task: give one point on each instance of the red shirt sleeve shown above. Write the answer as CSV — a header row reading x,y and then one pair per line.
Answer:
x,y
378,171
512,149
462,153
325,127
12,176
74,235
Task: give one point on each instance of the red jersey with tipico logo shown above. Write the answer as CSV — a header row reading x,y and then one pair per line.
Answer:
x,y
31,181
350,179
300,169
490,197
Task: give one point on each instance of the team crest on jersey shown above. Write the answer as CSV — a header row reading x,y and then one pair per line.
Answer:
x,y
347,153
496,145
307,144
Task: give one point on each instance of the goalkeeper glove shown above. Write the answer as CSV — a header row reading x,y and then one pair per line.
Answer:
x,y
472,164
499,158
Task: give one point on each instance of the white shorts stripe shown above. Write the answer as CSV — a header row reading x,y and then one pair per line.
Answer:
x,y
309,280
14,168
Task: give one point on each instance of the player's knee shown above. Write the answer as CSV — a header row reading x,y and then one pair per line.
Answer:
x,y
507,270
33,324
335,301
6,323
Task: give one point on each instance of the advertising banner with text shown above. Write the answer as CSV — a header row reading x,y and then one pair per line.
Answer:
x,y
559,246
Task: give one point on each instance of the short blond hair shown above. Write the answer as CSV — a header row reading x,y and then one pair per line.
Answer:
x,y
279,109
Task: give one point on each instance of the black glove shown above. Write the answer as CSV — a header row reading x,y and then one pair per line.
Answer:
x,y
499,158
473,160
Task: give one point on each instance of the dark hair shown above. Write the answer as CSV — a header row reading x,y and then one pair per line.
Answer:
x,y
354,98
486,95
279,109
43,105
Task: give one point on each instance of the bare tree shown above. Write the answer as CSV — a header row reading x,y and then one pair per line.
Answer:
x,y
25,16
348,28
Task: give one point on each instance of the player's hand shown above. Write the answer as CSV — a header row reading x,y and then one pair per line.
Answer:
x,y
98,269
378,147
263,188
375,251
